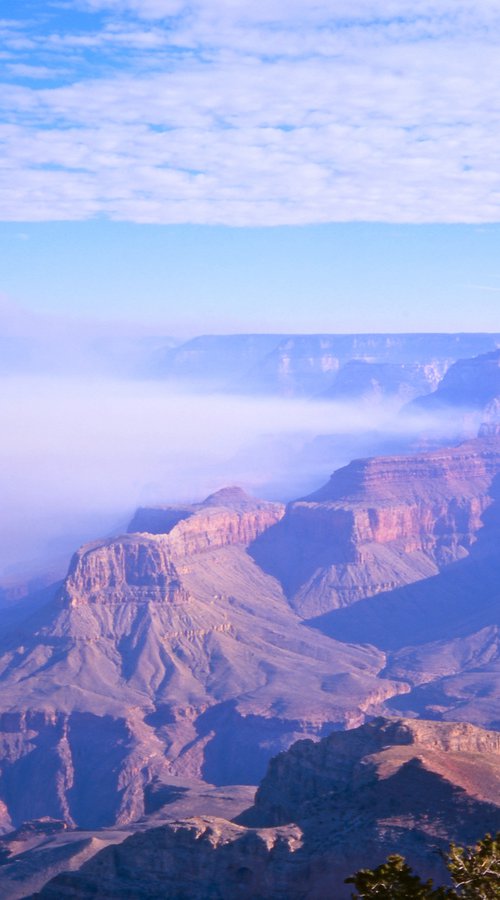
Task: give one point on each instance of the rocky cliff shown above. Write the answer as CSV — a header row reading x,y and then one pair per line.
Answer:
x,y
179,649
166,653
323,810
381,523
295,780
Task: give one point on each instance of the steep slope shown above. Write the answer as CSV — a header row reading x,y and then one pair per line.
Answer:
x,y
441,634
379,524
323,810
171,653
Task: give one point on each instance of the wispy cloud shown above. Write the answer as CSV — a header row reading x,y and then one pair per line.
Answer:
x,y
488,288
253,113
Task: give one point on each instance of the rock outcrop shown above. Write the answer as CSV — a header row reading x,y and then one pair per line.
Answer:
x,y
323,811
166,653
381,523
295,781
38,851
230,516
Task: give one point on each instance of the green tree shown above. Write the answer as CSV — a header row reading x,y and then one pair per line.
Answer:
x,y
394,879
474,872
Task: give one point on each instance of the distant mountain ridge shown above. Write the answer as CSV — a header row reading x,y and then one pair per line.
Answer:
x,y
404,365
469,386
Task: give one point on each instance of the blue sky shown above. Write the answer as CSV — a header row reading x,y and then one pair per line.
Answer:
x,y
237,165
185,280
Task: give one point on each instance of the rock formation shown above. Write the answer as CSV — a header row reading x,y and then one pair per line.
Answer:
x,y
379,524
309,364
39,850
166,653
323,811
181,649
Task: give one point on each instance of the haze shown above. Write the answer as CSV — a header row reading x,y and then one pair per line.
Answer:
x,y
79,453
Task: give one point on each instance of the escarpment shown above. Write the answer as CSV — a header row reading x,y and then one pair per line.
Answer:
x,y
462,754
381,523
323,811
469,384
167,653
230,516
181,647
145,567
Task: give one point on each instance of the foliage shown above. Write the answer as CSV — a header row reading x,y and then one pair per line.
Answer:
x,y
394,879
474,871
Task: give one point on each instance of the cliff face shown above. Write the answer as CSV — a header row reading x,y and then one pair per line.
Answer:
x,y
376,752
167,653
379,524
144,568
230,516
467,396
323,811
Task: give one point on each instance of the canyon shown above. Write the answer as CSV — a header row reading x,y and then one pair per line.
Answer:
x,y
339,366
166,654
210,637
379,524
176,662
323,810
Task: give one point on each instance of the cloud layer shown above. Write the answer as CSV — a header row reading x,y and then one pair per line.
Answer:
x,y
79,453
251,113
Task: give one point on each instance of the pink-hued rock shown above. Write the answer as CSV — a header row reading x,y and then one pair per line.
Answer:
x,y
167,653
381,523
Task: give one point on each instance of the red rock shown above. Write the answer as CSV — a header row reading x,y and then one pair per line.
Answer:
x,y
381,523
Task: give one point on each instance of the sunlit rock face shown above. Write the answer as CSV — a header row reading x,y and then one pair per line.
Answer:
x,y
381,523
323,811
167,652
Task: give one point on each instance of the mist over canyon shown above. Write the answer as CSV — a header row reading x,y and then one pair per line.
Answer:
x,y
100,425
249,567
249,450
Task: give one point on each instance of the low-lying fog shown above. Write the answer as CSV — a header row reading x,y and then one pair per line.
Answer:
x,y
79,454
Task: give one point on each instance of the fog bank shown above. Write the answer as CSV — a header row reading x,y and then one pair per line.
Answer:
x,y
79,454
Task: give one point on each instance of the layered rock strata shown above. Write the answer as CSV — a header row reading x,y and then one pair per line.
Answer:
x,y
381,523
166,653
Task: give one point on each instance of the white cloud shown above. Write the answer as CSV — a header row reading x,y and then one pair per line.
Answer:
x,y
22,70
261,113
